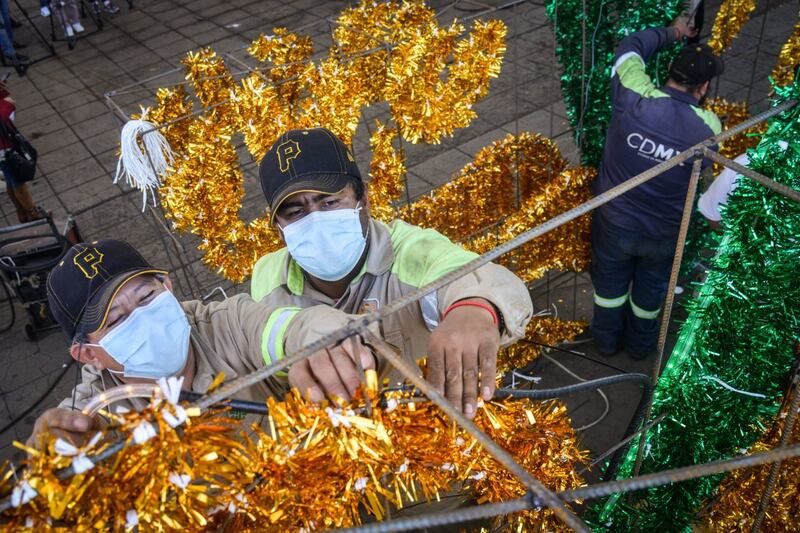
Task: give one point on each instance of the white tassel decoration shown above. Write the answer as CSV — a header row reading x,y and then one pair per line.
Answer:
x,y
142,169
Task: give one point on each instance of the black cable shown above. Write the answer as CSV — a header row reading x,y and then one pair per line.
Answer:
x,y
636,421
558,392
48,265
243,406
578,354
42,398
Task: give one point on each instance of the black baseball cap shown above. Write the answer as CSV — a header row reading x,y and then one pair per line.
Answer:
x,y
695,64
312,160
83,284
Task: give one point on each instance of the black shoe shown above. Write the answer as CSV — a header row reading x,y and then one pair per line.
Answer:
x,y
640,355
19,61
606,352
15,23
19,45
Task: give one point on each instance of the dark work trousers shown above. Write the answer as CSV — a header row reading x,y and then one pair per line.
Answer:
x,y
630,274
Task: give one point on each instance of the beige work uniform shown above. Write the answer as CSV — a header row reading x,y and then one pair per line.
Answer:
x,y
400,259
225,336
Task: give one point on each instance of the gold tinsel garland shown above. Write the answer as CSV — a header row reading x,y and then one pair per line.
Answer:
x,y
740,493
565,248
732,15
203,190
788,59
488,185
203,474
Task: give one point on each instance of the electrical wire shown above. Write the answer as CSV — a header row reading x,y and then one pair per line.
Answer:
x,y
579,378
579,128
573,352
558,392
42,398
636,421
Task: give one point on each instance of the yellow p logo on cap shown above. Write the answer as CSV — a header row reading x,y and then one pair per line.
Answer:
x,y
87,260
287,151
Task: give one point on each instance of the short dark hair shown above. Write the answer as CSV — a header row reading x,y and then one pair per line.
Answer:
x,y
358,187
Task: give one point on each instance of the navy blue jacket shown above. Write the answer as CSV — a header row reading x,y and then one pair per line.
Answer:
x,y
648,126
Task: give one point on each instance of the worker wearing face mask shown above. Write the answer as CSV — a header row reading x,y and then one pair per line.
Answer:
x,y
339,262
126,326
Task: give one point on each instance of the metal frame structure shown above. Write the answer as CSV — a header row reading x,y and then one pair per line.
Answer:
x,y
538,496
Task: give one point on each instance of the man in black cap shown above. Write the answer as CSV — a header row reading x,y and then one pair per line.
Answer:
x,y
126,326
634,235
339,262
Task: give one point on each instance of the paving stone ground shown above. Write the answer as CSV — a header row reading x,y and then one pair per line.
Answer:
x,y
61,108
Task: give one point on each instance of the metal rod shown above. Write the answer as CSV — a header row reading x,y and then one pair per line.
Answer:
x,y
599,490
445,518
584,84
648,481
786,434
758,50
410,372
770,184
688,206
515,59
141,82
597,460
492,10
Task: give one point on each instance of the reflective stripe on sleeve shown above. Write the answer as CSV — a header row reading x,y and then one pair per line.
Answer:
x,y
272,338
643,313
430,310
623,58
610,303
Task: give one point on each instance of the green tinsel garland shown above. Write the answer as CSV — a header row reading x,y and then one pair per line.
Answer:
x,y
607,23
741,330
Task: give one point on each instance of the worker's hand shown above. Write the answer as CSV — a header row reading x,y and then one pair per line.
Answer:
x,y
332,372
682,28
72,426
463,346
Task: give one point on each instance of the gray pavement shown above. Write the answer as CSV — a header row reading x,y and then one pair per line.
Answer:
x,y
62,110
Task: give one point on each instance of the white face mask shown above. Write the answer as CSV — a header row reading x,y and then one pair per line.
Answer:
x,y
153,342
327,244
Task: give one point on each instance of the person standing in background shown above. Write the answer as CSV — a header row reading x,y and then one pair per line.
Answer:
x,y
634,235
18,191
10,56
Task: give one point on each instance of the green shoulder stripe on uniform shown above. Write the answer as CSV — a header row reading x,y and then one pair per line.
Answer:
x,y
633,77
424,255
710,118
267,274
274,330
